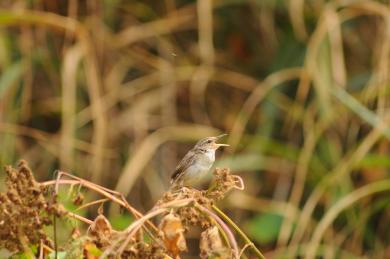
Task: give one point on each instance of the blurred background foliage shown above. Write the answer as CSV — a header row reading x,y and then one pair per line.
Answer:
x,y
117,91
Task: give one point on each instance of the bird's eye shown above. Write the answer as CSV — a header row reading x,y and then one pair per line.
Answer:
x,y
209,141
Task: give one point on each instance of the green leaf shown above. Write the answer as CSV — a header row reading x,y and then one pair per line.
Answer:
x,y
9,76
371,161
359,109
120,222
27,254
60,255
265,227
93,250
66,200
21,255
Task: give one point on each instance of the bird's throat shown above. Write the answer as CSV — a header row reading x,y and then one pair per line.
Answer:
x,y
207,157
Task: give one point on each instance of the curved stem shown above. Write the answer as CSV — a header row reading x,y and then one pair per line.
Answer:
x,y
239,231
226,229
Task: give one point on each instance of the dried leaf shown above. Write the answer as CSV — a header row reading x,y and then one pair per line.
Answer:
x,y
101,231
173,234
211,245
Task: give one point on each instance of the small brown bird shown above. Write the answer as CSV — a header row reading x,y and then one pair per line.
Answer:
x,y
196,163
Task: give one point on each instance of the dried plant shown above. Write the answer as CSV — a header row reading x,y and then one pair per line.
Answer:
x,y
184,208
27,206
24,210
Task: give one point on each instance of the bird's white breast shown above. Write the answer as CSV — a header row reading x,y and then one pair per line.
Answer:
x,y
210,156
206,159
200,168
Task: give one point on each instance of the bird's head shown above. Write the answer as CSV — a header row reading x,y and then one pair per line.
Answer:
x,y
210,143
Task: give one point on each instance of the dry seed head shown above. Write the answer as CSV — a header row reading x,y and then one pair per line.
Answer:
x,y
78,199
191,216
141,250
224,181
24,210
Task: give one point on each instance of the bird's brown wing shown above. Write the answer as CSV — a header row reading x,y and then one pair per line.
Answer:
x,y
186,162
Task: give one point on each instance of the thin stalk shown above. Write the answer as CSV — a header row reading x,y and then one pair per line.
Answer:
x,y
105,192
222,224
92,203
55,237
239,231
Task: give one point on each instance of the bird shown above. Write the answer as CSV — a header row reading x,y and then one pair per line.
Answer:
x,y
195,165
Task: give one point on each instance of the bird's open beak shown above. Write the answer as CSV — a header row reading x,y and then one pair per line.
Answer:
x,y
221,136
221,145
217,145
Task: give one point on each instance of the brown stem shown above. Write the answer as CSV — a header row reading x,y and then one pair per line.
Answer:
x,y
239,231
101,190
226,229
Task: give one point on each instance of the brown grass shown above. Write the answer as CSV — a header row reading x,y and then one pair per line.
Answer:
x,y
104,88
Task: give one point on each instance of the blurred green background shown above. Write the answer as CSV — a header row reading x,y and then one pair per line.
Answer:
x,y
118,91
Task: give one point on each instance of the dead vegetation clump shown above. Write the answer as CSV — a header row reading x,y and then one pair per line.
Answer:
x,y
187,207
191,215
224,182
24,210
101,232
